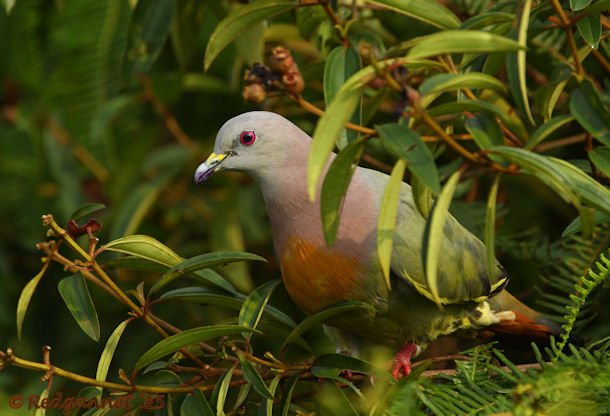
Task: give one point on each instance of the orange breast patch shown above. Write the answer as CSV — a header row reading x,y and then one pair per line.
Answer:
x,y
316,276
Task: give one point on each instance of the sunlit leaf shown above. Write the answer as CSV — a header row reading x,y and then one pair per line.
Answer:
x,y
254,378
190,336
546,129
26,296
461,41
267,404
490,227
85,210
450,82
483,20
144,247
287,395
387,218
588,108
254,305
434,235
199,262
335,186
239,21
422,196
219,395
74,292
195,404
429,12
325,314
106,358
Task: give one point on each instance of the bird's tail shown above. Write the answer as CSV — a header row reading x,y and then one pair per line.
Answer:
x,y
528,324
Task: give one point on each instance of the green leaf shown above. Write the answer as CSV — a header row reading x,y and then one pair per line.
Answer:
x,y
26,296
8,5
199,262
106,358
144,247
387,218
590,28
335,186
546,129
196,404
252,376
38,405
461,41
468,105
150,26
266,407
334,401
433,235
219,298
577,5
73,290
588,108
600,156
422,196
408,145
483,20
239,21
85,210
429,12
182,339
598,6
576,225
254,305
490,226
219,395
546,97
323,315
521,76
287,396
344,362
484,130
451,82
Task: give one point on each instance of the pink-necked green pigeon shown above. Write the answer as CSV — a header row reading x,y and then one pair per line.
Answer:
x,y
274,152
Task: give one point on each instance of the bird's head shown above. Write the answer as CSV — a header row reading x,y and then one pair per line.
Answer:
x,y
257,142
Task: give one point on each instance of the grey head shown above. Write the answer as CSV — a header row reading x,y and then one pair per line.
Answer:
x,y
260,143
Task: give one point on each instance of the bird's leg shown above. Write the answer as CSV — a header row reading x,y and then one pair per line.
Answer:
x,y
402,360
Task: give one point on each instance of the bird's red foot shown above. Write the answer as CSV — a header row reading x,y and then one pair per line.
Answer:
x,y
402,360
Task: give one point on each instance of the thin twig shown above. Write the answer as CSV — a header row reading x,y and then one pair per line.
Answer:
x,y
566,141
566,23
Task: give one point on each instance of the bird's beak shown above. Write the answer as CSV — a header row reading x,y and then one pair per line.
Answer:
x,y
209,167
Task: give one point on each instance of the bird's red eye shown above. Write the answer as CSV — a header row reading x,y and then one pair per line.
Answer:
x,y
247,137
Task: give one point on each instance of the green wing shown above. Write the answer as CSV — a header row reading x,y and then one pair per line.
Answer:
x,y
462,273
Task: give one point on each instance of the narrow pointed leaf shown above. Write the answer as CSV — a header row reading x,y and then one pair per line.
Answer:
x,y
26,296
422,196
468,105
600,157
74,292
239,21
590,28
106,358
324,315
461,41
182,339
335,186
254,305
196,404
451,82
387,218
144,247
588,108
433,235
287,396
577,5
267,404
481,21
490,226
576,225
484,130
254,378
219,395
546,129
202,261
85,210
426,11
521,56
408,145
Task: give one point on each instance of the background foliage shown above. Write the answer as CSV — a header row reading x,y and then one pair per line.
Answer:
x,y
107,102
